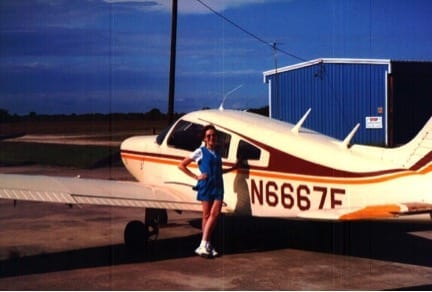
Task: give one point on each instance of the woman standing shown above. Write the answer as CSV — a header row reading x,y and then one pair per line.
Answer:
x,y
209,187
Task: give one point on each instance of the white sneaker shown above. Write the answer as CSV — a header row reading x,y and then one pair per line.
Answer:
x,y
202,251
212,251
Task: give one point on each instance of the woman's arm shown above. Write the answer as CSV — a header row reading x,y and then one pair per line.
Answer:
x,y
183,166
234,167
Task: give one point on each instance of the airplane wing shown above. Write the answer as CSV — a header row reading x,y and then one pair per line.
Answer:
x,y
70,190
368,212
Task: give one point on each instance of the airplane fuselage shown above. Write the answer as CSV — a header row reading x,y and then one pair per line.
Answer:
x,y
285,173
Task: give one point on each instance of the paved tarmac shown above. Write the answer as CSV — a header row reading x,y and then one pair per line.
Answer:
x,y
54,247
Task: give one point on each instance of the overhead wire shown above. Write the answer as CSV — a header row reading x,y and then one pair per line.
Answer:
x,y
272,45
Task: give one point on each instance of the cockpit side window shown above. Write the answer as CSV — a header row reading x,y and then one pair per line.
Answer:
x,y
187,136
246,151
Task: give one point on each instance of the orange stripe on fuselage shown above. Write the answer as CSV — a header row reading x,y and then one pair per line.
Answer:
x,y
150,159
296,177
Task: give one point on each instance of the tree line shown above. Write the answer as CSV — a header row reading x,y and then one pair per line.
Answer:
x,y
154,115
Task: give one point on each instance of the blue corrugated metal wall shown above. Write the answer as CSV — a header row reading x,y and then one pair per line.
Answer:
x,y
340,95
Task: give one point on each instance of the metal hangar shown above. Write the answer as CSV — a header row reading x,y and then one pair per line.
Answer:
x,y
390,99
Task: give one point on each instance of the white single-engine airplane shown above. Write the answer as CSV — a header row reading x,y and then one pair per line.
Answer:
x,y
286,171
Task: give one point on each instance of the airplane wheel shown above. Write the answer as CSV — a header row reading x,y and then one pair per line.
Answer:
x,y
152,230
136,235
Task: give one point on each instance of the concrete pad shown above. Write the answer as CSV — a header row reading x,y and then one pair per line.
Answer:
x,y
54,247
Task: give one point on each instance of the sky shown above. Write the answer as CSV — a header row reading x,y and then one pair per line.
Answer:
x,y
112,56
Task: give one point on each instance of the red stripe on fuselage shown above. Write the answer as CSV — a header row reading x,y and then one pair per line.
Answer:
x,y
338,177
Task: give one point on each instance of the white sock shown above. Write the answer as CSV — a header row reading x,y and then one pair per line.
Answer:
x,y
203,243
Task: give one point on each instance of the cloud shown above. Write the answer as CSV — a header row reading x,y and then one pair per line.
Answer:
x,y
188,6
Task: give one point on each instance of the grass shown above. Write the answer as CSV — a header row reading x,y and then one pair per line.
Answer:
x,y
79,156
82,127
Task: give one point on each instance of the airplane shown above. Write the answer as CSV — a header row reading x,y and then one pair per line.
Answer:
x,y
286,171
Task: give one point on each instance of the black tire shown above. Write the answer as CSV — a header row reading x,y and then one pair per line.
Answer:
x,y
136,235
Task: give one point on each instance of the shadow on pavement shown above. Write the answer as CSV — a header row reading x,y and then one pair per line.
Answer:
x,y
380,240
388,241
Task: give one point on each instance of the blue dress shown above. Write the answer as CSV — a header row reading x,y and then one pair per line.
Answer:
x,y
211,188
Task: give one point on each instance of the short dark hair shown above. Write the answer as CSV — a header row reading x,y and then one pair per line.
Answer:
x,y
205,129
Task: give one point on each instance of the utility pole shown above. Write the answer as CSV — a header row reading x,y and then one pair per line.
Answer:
x,y
171,89
274,44
276,79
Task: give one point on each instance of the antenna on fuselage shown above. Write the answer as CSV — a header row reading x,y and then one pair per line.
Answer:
x,y
297,127
226,95
345,143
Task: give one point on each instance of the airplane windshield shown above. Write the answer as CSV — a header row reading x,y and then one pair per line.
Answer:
x,y
186,135
161,136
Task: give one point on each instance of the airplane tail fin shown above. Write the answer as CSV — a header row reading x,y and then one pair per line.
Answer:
x,y
417,152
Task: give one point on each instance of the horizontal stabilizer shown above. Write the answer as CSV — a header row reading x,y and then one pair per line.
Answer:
x,y
368,212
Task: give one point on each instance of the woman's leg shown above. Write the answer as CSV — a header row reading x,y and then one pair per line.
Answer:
x,y
206,207
214,210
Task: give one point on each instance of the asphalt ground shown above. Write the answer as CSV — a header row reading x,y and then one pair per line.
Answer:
x,y
54,247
